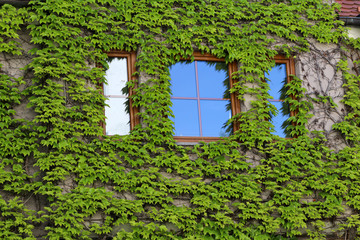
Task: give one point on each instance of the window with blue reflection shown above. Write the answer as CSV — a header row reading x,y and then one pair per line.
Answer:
x,y
201,98
277,79
117,112
186,116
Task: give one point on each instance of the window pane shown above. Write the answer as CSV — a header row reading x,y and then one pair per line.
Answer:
x,y
277,79
279,119
182,76
116,76
213,79
214,116
117,118
117,114
186,117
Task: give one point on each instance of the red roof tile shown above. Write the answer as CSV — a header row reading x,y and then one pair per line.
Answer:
x,y
349,8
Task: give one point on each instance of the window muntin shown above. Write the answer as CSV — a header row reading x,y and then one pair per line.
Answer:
x,y
202,103
277,78
120,115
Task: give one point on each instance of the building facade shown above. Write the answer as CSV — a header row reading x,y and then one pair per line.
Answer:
x,y
179,119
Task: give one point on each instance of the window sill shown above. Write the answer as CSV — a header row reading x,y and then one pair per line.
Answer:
x,y
195,140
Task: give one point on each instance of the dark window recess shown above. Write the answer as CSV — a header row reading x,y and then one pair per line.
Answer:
x,y
16,3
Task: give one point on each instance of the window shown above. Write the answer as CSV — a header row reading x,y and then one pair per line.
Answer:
x,y
120,114
277,77
202,103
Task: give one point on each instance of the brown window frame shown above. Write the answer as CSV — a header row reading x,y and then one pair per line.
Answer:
x,y
290,70
235,103
131,70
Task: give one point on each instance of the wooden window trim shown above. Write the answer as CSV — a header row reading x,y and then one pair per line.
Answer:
x,y
290,70
235,103
131,69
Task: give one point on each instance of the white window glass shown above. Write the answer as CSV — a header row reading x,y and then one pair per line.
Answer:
x,y
117,113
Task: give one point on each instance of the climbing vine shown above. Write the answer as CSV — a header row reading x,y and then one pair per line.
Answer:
x,y
62,178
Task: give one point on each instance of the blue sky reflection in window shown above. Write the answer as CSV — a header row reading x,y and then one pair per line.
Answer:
x,y
201,99
277,78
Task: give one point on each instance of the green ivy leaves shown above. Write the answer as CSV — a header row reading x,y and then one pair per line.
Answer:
x,y
252,185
